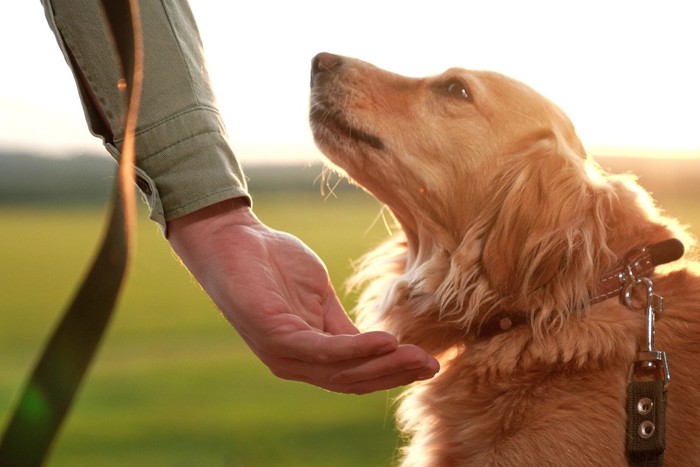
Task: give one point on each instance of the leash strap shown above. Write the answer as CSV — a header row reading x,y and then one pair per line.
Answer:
x,y
649,381
646,416
47,397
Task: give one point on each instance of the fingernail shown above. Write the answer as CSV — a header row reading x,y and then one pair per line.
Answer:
x,y
433,367
426,375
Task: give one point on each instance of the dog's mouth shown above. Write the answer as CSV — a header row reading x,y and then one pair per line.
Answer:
x,y
334,121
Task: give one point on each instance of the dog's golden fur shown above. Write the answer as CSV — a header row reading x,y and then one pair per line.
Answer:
x,y
501,209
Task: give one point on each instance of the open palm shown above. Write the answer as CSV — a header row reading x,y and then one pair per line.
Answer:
x,y
276,292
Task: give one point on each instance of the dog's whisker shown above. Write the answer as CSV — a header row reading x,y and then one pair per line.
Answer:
x,y
381,216
331,189
325,183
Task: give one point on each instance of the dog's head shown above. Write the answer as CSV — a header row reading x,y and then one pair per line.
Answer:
x,y
427,146
492,187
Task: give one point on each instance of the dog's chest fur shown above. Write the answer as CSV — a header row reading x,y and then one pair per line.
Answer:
x,y
514,399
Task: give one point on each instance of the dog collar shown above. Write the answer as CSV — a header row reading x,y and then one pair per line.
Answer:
x,y
638,263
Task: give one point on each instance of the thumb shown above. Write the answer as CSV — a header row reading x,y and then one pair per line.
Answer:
x,y
335,320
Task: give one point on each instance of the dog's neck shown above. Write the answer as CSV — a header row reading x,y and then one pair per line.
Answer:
x,y
637,263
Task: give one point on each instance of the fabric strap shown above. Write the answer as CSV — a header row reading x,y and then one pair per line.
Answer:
x,y
646,416
47,397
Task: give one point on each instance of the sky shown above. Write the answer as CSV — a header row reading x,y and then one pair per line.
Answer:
x,y
626,72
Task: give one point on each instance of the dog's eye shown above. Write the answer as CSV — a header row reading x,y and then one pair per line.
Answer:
x,y
457,88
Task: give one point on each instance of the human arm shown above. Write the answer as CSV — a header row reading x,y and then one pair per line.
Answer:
x,y
270,286
276,292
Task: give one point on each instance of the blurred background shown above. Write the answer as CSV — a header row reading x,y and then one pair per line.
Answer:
x,y
173,385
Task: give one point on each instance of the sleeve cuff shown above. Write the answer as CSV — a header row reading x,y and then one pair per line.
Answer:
x,y
195,169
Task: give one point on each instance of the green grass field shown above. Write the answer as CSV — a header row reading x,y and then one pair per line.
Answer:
x,y
173,384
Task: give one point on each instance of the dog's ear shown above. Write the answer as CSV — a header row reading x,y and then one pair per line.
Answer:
x,y
545,242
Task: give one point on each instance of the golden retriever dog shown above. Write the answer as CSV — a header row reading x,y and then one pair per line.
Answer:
x,y
510,266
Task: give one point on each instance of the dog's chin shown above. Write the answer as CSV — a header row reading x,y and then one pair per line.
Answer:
x,y
334,133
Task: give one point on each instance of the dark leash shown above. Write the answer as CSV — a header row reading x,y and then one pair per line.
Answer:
x,y
650,377
47,397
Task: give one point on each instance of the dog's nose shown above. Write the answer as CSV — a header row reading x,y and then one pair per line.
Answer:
x,y
325,62
322,64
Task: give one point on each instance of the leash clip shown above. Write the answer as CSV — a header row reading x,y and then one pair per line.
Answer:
x,y
649,380
649,358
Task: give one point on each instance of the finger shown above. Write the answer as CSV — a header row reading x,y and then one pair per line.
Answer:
x,y
407,364
406,358
336,321
313,347
382,383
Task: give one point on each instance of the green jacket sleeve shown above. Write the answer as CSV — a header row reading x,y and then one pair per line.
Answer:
x,y
183,157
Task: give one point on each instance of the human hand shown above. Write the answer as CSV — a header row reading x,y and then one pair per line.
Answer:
x,y
276,293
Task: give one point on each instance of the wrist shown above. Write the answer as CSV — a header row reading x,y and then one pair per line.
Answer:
x,y
230,209
192,228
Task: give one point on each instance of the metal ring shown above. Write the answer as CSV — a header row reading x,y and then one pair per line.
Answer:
x,y
627,293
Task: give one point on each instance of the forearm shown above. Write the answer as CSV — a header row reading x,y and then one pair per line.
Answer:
x,y
184,160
